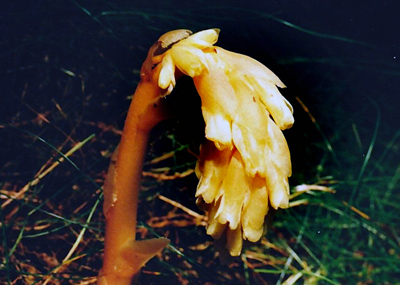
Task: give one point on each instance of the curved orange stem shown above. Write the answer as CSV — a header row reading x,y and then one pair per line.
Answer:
x,y
123,256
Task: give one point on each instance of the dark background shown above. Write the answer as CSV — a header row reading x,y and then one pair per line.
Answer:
x,y
68,68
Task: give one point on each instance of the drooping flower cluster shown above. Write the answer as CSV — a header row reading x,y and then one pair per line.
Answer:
x,y
245,163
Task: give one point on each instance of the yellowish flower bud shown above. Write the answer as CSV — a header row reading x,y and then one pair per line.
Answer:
x,y
166,79
255,208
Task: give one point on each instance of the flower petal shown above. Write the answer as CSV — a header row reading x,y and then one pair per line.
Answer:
x,y
203,39
234,241
219,103
278,189
278,150
249,127
280,109
255,210
211,170
166,79
278,167
218,129
248,66
264,82
189,59
234,188
214,227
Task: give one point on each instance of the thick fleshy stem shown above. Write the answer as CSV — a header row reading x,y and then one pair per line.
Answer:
x,y
123,255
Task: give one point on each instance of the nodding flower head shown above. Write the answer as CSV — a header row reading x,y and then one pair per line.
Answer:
x,y
181,49
244,164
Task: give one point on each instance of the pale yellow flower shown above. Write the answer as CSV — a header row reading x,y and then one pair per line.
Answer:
x,y
245,163
187,55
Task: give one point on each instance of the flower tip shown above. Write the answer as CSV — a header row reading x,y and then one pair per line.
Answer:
x,y
217,31
279,199
286,124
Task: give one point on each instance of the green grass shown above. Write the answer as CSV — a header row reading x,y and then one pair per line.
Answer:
x,y
68,71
